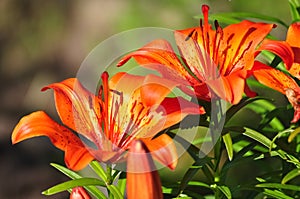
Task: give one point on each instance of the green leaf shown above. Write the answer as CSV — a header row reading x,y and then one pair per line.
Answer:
x,y
259,137
294,8
228,145
199,184
73,175
73,183
225,190
98,170
122,182
276,194
116,192
294,134
290,175
238,16
279,186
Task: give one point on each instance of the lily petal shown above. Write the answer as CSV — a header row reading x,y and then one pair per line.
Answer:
x,y
230,87
78,108
159,55
243,39
293,40
273,78
39,123
163,150
236,49
155,89
292,37
142,178
280,48
175,109
293,96
281,82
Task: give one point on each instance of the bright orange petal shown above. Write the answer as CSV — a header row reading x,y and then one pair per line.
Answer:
x,y
236,49
273,78
40,124
230,87
143,181
78,108
295,70
125,83
159,55
240,43
280,48
194,53
293,40
176,109
293,34
155,89
163,150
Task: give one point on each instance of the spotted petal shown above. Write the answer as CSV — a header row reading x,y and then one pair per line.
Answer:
x,y
281,82
78,108
293,40
39,123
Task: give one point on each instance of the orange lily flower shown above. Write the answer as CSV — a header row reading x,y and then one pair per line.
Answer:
x,y
216,61
281,82
132,107
289,50
142,178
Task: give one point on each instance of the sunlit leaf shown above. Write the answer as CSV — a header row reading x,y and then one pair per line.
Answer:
x,y
259,137
115,192
226,191
228,145
73,183
199,184
294,8
73,175
290,175
98,170
122,182
279,186
294,134
276,194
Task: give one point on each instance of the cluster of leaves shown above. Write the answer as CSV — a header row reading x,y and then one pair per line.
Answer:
x,y
262,156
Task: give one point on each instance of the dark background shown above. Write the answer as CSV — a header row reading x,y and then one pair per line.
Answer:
x,y
42,42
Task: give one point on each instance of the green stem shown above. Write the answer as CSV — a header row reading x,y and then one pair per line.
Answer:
x,y
109,179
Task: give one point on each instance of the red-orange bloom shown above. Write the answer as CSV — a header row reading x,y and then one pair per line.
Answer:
x,y
281,82
132,107
215,60
289,50
142,178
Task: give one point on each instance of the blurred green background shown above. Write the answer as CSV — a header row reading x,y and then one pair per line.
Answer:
x,y
46,41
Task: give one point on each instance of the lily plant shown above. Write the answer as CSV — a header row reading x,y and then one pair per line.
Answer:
x,y
133,120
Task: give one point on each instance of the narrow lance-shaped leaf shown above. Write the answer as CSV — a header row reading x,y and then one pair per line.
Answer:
x,y
259,137
228,145
73,183
235,17
73,175
290,175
